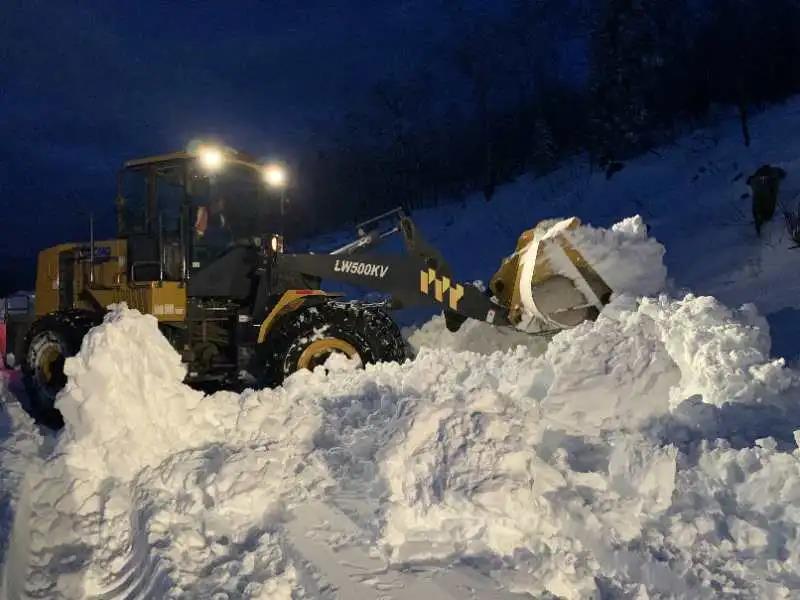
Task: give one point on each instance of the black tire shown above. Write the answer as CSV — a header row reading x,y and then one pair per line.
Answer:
x,y
50,341
365,328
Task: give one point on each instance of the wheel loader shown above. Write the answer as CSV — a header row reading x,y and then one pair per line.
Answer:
x,y
197,248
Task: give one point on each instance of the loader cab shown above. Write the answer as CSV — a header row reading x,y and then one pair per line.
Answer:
x,y
152,200
178,218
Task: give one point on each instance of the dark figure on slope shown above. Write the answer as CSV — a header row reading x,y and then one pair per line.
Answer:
x,y
765,183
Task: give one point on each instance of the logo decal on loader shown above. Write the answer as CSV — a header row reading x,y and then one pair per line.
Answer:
x,y
360,268
441,285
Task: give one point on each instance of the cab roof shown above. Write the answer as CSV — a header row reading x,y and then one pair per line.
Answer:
x,y
159,159
175,157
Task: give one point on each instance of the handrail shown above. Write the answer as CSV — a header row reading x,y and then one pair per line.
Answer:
x,y
91,248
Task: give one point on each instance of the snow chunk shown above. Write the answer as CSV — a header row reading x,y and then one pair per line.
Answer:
x,y
625,256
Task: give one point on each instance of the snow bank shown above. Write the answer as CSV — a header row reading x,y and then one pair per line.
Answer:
x,y
652,453
154,487
569,472
553,464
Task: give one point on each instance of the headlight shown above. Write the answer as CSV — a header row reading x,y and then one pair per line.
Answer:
x,y
276,243
275,176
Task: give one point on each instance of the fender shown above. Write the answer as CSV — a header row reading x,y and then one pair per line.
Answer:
x,y
291,301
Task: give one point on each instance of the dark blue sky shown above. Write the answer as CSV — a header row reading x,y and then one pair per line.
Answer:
x,y
85,85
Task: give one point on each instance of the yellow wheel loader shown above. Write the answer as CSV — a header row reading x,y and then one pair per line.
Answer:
x,y
193,250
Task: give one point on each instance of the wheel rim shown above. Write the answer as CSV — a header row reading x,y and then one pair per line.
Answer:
x,y
49,373
319,351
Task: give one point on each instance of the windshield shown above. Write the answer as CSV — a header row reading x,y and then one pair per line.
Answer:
x,y
183,208
234,200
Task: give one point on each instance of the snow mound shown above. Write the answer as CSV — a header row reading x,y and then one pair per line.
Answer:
x,y
651,453
121,397
559,465
472,336
625,256
155,488
576,472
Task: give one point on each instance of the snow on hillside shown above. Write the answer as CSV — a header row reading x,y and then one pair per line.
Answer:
x,y
689,193
650,454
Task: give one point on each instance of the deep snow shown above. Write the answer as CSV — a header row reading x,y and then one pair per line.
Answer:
x,y
650,454
590,469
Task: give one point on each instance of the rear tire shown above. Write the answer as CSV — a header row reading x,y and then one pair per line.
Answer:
x,y
307,338
50,341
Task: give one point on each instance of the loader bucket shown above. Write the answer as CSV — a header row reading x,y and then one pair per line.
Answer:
x,y
548,284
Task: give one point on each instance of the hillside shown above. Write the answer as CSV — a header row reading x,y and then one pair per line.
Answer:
x,y
691,194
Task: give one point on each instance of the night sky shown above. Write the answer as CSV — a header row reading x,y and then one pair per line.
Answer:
x,y
84,86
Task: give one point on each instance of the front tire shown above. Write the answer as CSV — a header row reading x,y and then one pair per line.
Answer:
x,y
50,341
307,338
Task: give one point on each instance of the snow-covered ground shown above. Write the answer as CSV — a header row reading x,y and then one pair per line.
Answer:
x,y
650,454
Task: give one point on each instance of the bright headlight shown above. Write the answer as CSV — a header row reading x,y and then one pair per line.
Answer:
x,y
211,158
275,176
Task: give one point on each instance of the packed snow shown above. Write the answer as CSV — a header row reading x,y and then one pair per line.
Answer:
x,y
20,446
652,453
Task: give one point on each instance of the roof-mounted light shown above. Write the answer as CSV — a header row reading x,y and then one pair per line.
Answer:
x,y
211,158
275,175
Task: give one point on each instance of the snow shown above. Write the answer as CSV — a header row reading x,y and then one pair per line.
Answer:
x,y
474,336
652,453
20,444
693,196
568,471
152,483
625,257
559,463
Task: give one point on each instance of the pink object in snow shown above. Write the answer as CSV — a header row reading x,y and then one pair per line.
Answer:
x,y
2,345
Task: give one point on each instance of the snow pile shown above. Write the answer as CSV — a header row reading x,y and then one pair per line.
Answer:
x,y
575,472
557,465
625,256
154,487
652,453
142,404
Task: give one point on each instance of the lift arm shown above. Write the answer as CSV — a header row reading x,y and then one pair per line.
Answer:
x,y
410,281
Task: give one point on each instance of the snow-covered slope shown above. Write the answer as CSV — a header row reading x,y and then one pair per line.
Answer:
x,y
690,193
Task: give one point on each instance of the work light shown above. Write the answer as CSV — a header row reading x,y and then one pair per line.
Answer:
x,y
275,175
211,158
